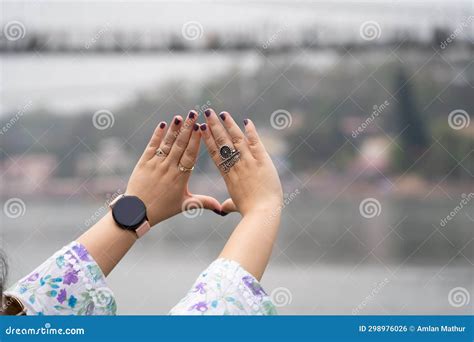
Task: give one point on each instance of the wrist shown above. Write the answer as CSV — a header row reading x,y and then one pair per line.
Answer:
x,y
267,209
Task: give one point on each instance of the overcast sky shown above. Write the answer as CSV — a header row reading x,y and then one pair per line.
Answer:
x,y
86,15
69,84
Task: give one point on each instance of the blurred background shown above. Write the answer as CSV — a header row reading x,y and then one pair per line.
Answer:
x,y
365,107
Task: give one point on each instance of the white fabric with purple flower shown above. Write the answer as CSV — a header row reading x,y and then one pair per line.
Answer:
x,y
69,283
225,288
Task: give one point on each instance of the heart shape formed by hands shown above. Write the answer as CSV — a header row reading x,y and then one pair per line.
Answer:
x,y
160,178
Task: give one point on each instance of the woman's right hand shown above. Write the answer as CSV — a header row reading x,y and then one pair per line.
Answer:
x,y
253,182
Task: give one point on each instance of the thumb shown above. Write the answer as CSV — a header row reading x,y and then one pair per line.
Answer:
x,y
228,206
207,202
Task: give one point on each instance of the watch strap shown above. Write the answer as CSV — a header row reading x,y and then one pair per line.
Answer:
x,y
143,229
115,200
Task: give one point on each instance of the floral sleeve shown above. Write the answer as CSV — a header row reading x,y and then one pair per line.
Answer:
x,y
68,283
225,288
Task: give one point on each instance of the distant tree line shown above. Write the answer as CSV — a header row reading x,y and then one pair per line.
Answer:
x,y
319,101
269,41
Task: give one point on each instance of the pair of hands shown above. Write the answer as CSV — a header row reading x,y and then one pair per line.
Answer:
x,y
253,182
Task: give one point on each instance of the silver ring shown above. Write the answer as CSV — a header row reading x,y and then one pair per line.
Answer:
x,y
160,153
185,169
229,157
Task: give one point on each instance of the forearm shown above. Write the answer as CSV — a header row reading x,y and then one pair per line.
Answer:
x,y
107,243
251,242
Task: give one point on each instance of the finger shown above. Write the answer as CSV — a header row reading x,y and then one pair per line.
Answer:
x,y
182,138
236,134
171,134
210,144
207,202
189,156
228,207
218,131
253,140
154,142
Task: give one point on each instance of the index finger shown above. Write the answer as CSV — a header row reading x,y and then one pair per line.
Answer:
x,y
253,140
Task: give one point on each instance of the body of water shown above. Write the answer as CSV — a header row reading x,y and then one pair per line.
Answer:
x,y
328,258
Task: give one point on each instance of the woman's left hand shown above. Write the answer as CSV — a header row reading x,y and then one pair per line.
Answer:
x,y
161,182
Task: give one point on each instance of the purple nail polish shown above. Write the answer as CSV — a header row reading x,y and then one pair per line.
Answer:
x,y
223,213
216,211
207,112
196,127
162,125
177,121
203,127
222,115
246,121
191,115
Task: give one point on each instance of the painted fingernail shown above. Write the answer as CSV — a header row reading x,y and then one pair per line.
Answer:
x,y
207,112
196,127
222,115
162,125
177,121
203,127
191,115
218,212
246,121
223,213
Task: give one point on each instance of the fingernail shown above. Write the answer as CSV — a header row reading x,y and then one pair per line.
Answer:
x,y
207,112
196,127
191,115
246,121
177,121
223,213
222,115
217,211
203,127
162,125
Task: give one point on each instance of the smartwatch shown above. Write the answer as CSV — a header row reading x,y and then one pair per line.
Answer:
x,y
129,212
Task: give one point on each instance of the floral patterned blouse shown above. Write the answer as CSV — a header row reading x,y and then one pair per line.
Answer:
x,y
225,288
71,283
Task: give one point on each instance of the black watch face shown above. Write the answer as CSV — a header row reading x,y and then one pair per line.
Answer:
x,y
129,212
